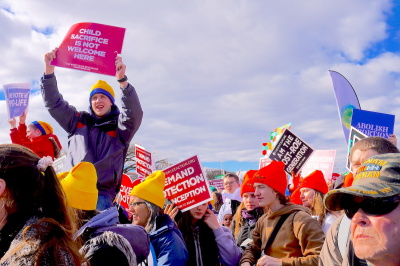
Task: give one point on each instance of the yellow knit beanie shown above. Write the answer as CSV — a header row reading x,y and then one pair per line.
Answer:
x,y
102,87
80,186
151,189
44,127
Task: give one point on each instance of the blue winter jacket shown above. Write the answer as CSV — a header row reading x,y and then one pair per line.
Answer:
x,y
168,243
103,142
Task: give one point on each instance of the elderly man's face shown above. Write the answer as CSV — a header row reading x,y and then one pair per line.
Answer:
x,y
376,238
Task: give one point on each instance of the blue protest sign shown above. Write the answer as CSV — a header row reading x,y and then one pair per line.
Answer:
x,y
373,123
17,98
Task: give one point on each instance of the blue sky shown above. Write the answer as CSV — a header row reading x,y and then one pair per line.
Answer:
x,y
214,78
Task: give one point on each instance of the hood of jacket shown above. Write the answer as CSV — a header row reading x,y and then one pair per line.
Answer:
x,y
103,219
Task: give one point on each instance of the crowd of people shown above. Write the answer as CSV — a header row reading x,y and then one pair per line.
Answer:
x,y
72,218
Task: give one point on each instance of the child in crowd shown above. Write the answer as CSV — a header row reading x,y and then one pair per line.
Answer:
x,y
37,136
227,220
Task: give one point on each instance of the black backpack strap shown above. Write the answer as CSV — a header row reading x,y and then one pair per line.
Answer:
x,y
276,229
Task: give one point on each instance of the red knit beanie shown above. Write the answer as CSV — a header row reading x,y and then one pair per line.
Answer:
x,y
315,180
348,180
248,183
273,175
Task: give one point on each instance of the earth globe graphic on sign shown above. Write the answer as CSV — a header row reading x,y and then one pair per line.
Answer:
x,y
346,112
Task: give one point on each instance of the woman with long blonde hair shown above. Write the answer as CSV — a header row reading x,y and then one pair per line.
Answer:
x,y
310,193
248,212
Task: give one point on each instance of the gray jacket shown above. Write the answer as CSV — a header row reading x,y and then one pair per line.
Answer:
x,y
103,142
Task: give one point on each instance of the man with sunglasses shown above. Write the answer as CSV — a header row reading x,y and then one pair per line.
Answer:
x,y
337,249
372,204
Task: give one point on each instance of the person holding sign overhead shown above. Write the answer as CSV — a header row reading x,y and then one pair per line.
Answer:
x,y
100,136
37,136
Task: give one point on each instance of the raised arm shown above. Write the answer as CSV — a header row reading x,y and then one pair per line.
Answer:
x,y
48,57
131,111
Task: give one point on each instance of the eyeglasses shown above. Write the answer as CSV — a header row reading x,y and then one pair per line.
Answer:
x,y
135,204
373,207
229,183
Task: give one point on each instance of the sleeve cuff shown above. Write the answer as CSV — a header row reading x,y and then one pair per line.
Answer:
x,y
48,76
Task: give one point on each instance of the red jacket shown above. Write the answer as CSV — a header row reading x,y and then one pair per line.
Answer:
x,y
42,146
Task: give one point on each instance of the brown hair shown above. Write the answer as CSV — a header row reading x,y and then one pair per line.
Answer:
x,y
282,198
30,191
232,175
380,145
217,200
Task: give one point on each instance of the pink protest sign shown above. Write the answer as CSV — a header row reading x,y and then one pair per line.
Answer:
x,y
186,185
90,47
217,183
143,161
126,186
322,160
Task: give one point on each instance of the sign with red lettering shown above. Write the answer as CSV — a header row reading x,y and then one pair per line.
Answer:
x,y
217,183
90,47
143,161
126,186
292,151
186,185
322,160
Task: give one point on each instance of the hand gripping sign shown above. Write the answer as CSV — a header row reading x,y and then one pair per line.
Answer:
x,y
186,185
17,98
90,47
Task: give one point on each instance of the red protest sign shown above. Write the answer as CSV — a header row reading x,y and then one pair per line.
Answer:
x,y
186,185
90,47
143,161
322,160
126,186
